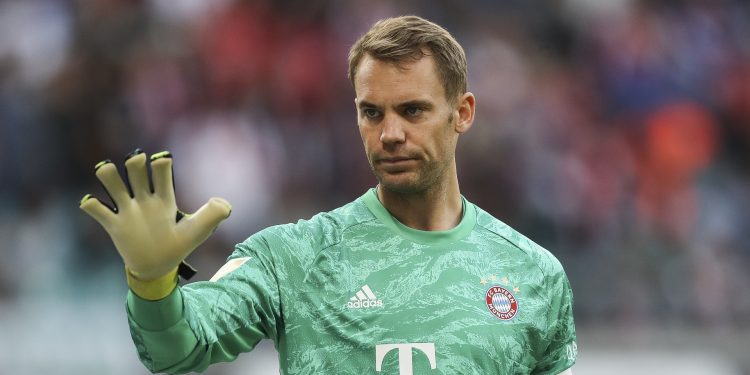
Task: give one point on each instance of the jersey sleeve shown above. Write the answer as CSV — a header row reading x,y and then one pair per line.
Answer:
x,y
562,350
210,321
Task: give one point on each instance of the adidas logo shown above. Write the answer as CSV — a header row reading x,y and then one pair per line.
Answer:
x,y
364,299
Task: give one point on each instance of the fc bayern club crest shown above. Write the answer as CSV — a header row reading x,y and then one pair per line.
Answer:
x,y
501,303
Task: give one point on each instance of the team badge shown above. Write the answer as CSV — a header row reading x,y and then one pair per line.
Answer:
x,y
501,303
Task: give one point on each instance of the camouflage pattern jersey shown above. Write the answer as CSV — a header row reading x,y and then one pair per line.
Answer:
x,y
354,291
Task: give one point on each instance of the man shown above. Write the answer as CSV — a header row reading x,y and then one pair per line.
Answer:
x,y
410,278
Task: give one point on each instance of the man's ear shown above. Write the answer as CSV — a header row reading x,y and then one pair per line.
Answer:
x,y
466,109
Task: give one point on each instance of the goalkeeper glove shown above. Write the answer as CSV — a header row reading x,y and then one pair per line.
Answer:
x,y
152,236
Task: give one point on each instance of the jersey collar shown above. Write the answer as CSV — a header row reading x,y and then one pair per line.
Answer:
x,y
468,220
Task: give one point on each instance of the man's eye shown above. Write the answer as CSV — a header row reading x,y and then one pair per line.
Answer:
x,y
371,113
413,111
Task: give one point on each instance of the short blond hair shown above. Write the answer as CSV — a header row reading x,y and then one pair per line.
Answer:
x,y
406,38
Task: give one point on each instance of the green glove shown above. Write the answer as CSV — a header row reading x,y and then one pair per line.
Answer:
x,y
152,236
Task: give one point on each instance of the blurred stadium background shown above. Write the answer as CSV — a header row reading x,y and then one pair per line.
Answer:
x,y
615,133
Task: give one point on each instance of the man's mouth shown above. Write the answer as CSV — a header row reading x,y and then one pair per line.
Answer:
x,y
395,160
395,164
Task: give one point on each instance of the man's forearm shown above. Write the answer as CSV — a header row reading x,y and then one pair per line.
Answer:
x,y
160,331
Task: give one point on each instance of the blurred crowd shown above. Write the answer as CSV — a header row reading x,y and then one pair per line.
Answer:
x,y
614,133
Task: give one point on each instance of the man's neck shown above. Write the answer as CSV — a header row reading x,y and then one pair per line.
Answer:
x,y
439,208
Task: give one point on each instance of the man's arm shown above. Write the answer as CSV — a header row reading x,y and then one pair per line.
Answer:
x,y
207,321
560,349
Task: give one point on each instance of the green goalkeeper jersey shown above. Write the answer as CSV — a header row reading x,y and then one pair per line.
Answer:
x,y
354,291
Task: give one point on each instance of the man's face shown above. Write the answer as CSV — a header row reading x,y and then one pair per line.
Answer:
x,y
406,122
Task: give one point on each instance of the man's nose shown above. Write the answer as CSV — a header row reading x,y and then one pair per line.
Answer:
x,y
393,130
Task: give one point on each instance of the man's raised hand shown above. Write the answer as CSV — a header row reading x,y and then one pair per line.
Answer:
x,y
152,236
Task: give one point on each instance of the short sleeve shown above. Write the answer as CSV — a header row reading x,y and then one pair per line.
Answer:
x,y
562,350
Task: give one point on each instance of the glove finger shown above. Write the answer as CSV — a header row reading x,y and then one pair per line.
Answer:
x,y
162,175
197,227
107,173
135,164
97,210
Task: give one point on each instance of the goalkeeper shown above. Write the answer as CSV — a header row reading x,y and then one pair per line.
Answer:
x,y
409,278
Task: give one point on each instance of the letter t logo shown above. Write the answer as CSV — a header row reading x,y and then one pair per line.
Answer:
x,y
404,355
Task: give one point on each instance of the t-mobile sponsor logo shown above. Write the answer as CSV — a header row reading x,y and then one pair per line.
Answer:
x,y
404,355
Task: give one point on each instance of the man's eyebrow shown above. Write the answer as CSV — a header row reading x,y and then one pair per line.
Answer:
x,y
366,104
424,104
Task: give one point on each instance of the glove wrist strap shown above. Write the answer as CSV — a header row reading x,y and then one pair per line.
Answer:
x,y
152,290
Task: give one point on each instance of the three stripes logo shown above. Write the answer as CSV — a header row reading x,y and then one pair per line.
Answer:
x,y
364,299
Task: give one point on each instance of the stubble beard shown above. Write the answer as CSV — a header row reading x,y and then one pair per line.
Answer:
x,y
417,181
